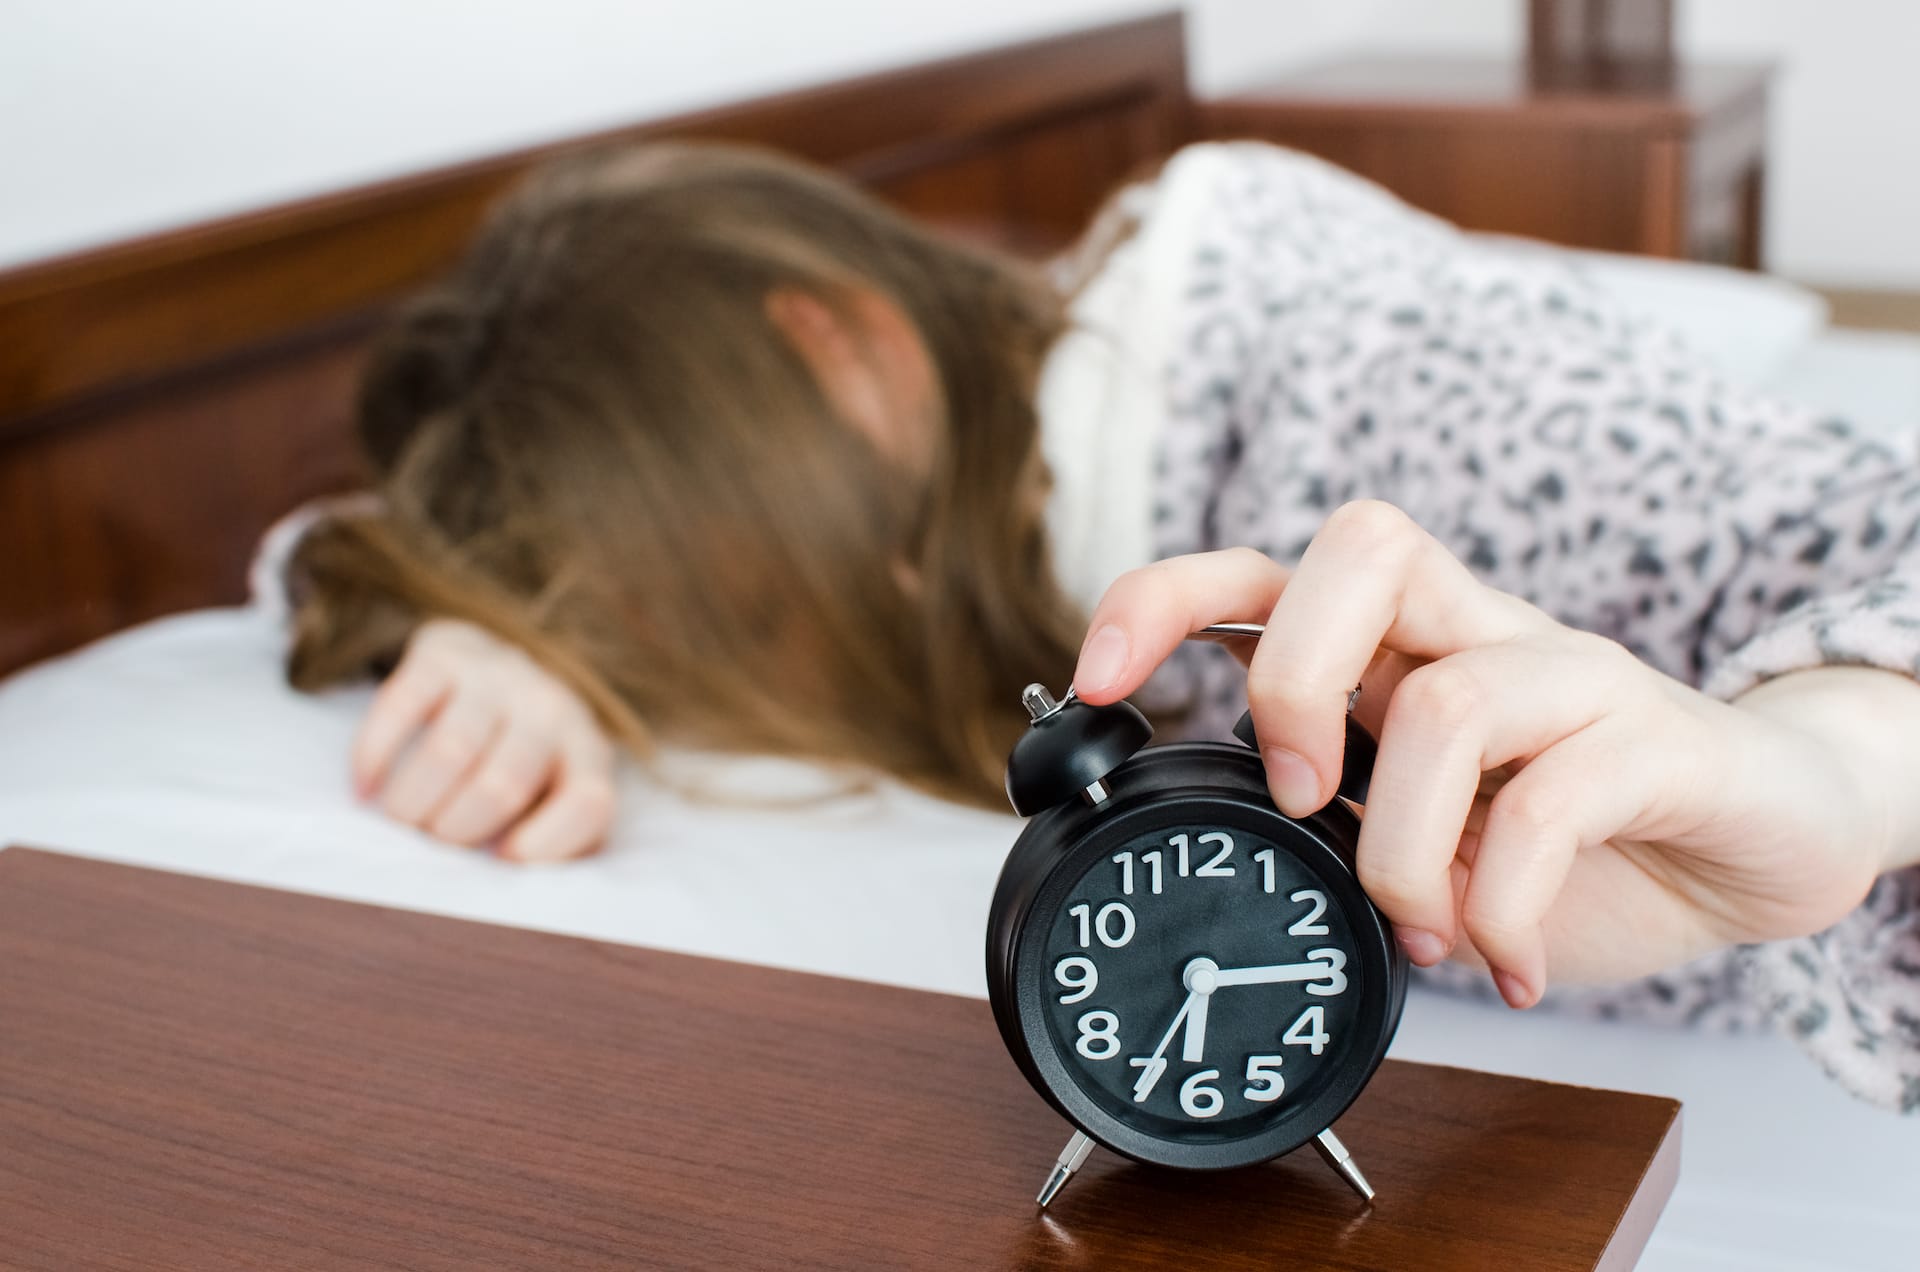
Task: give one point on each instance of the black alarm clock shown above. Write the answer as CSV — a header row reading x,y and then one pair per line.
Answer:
x,y
1188,976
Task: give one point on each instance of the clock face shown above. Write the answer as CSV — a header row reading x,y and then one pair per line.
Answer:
x,y
1202,984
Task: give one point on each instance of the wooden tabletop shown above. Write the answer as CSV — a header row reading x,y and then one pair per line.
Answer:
x,y
200,1075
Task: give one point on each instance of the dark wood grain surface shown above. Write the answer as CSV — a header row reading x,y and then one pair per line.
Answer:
x,y
199,1075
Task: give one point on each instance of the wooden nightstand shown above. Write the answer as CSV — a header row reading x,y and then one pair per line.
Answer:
x,y
1667,164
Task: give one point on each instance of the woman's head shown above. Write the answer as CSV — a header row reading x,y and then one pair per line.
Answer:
x,y
745,455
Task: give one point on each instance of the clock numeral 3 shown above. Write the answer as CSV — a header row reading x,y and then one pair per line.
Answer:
x,y
1336,979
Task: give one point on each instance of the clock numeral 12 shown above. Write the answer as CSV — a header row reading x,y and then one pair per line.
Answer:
x,y
1213,867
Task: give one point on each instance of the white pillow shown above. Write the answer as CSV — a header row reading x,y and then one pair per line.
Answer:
x,y
1750,325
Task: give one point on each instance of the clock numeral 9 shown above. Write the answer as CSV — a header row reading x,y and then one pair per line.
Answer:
x,y
1199,1100
1265,1070
1080,974
1099,1035
1114,924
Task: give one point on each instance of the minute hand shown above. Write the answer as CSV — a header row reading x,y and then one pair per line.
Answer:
x,y
1273,974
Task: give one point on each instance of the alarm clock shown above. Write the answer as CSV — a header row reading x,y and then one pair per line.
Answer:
x,y
1188,976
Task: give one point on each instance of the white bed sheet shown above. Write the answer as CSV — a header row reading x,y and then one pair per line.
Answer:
x,y
176,745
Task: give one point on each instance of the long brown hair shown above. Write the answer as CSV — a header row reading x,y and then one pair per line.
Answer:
x,y
592,439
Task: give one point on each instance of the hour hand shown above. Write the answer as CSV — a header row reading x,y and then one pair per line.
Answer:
x,y
1193,1043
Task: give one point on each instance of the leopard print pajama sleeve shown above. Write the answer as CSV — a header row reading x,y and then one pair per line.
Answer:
x,y
1333,344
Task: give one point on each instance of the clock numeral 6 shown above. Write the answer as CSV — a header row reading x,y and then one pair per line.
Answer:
x,y
1265,1071
1099,1035
1114,924
1199,1100
1078,973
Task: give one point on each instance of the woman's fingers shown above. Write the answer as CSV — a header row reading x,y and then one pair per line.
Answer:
x,y
1371,578
1535,827
440,758
576,816
1147,613
1446,725
401,707
502,785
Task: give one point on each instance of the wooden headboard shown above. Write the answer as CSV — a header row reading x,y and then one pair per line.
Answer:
x,y
162,401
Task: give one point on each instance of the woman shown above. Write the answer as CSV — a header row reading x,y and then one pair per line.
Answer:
x,y
747,462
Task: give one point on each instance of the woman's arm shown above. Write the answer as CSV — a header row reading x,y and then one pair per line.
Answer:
x,y
1869,720
1339,346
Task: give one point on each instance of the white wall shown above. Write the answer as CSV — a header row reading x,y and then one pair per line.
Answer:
x,y
1845,192
119,117
1233,43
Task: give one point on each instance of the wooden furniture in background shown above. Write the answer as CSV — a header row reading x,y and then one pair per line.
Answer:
x,y
199,1075
1597,42
162,401
1673,167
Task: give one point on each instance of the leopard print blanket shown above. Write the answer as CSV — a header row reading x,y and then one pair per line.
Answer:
x,y
1333,344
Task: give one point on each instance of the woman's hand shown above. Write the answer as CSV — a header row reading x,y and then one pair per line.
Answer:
x,y
473,742
1539,789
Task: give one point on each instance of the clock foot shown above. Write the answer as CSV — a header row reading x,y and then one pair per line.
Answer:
x,y
1336,1156
1070,1160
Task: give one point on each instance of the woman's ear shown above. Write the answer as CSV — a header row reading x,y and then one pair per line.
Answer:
x,y
844,366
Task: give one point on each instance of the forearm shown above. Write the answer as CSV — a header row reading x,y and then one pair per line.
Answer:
x,y
1869,719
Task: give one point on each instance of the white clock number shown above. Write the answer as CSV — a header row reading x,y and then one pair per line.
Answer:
x,y
1213,869
1180,842
1125,862
1103,924
1309,924
1080,974
1198,1099
1309,1030
1336,980
1099,1035
1151,1067
1265,858
1265,1070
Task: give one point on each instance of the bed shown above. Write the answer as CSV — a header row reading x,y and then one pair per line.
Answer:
x,y
163,401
